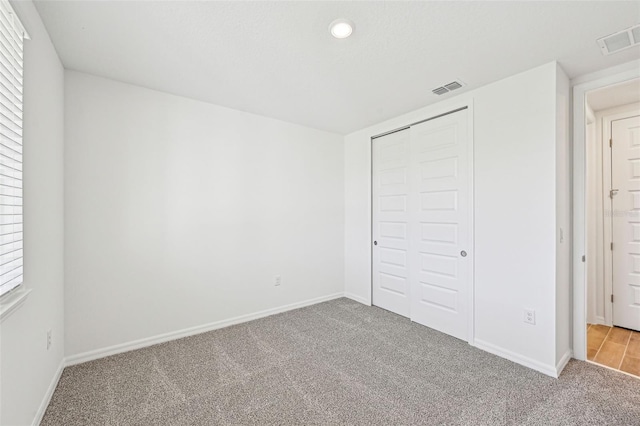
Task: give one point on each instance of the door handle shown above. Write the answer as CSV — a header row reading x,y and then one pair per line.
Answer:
x,y
375,243
463,253
613,193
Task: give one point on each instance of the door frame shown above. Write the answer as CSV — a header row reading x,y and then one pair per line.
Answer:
x,y
610,77
436,113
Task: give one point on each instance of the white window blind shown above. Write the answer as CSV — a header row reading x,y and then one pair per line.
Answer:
x,y
12,35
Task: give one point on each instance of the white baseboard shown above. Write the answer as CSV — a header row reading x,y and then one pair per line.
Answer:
x,y
596,320
357,298
563,362
549,370
161,338
47,396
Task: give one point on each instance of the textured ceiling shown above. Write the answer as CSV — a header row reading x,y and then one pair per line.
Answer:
x,y
277,58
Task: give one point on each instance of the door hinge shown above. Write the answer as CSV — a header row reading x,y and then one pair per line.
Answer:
x,y
584,258
611,246
612,298
610,143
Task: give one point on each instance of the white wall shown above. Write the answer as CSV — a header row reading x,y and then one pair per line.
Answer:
x,y
28,369
564,267
180,213
515,124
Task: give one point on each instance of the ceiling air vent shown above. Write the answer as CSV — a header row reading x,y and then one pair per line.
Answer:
x,y
448,87
620,41
453,85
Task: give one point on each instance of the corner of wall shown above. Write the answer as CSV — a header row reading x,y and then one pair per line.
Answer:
x,y
30,370
564,239
357,158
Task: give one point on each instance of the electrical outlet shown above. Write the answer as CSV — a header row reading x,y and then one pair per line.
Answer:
x,y
530,316
48,339
277,280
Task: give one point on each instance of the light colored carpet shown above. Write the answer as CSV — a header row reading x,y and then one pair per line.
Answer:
x,y
338,362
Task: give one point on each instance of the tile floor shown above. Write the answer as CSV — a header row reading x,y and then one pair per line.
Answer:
x,y
614,347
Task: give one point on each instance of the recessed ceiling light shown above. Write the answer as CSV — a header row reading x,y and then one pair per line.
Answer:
x,y
341,28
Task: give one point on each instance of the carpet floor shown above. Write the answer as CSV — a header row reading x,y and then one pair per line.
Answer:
x,y
337,362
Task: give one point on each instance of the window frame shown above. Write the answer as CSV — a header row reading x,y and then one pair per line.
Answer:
x,y
12,37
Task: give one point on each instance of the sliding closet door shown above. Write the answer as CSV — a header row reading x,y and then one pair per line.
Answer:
x,y
440,237
391,227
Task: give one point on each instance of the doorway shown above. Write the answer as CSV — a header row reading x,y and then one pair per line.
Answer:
x,y
422,222
612,214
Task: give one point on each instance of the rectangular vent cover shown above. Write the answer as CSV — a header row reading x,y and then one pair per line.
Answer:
x,y
454,85
620,41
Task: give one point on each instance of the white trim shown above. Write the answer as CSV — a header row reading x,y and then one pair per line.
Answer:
x,y
471,302
605,252
549,370
588,83
607,73
47,396
357,298
563,362
11,301
173,335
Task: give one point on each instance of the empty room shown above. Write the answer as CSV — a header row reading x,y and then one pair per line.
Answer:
x,y
319,212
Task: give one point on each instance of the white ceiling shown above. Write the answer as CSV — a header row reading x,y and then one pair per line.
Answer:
x,y
277,58
610,97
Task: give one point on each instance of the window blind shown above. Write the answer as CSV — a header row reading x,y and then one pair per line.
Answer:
x,y
12,35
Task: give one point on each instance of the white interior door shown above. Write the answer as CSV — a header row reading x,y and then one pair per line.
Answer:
x,y
391,226
440,255
625,181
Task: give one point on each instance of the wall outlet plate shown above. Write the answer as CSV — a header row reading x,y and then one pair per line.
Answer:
x,y
530,316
